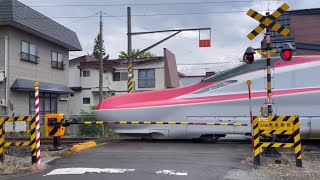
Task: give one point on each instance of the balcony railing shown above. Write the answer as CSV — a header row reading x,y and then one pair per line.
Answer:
x,y
57,64
29,57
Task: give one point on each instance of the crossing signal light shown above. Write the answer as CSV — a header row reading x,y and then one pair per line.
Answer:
x,y
286,52
248,56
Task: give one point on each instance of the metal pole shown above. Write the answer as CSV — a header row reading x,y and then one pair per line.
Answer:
x,y
130,66
250,107
101,62
269,83
37,109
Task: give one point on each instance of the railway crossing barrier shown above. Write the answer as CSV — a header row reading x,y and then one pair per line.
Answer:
x,y
55,125
276,125
18,125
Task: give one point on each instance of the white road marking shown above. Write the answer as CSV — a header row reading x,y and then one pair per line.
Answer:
x,y
67,171
172,172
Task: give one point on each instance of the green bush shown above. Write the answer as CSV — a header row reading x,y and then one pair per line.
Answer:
x,y
93,130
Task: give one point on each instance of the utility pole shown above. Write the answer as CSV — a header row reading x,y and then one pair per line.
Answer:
x,y
100,62
130,66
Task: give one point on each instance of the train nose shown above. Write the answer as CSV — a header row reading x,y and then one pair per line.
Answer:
x,y
145,99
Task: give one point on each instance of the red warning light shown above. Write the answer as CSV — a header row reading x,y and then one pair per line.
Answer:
x,y
286,54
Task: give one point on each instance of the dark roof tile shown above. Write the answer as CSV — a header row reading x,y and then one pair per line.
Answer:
x,y
15,13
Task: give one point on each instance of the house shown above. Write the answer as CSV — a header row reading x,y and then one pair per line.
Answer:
x,y
152,73
304,34
186,80
33,48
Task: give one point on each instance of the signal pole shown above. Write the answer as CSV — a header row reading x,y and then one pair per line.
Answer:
x,y
130,66
269,83
100,62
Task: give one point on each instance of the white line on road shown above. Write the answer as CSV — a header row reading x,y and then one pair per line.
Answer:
x,y
77,171
172,172
67,171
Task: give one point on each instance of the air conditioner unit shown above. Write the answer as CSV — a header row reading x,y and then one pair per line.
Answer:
x,y
64,97
2,102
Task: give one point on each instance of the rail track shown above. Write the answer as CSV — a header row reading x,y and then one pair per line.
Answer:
x,y
49,141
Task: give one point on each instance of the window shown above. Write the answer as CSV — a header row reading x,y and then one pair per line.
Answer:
x,y
48,103
146,78
120,76
216,86
57,60
86,100
86,73
244,68
29,52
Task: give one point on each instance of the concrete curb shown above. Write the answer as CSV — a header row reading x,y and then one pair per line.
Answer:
x,y
82,146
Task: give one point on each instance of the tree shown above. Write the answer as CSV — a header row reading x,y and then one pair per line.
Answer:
x,y
124,55
96,48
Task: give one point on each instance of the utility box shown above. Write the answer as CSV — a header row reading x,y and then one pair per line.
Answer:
x,y
54,125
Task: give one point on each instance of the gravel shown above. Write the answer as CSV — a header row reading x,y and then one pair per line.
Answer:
x,y
270,170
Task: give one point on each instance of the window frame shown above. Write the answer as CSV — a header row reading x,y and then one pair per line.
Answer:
x,y
26,56
56,64
121,76
83,100
43,97
148,84
85,73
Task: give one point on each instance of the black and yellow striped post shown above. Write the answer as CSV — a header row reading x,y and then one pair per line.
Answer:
x,y
297,142
256,141
268,22
2,139
269,83
33,139
130,77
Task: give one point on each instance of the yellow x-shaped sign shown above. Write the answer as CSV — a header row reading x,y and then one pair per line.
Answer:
x,y
268,21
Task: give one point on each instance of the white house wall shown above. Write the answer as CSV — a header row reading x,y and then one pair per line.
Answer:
x,y
90,85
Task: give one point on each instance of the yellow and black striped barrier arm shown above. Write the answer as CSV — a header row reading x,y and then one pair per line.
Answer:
x,y
33,139
256,141
1,139
268,22
158,123
130,78
297,142
18,143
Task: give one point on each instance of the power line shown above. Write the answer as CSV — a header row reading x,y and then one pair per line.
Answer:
x,y
94,15
145,4
147,29
138,15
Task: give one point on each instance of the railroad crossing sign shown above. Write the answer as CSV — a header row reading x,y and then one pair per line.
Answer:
x,y
268,22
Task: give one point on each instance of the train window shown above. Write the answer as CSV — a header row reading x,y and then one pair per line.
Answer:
x,y
244,68
219,85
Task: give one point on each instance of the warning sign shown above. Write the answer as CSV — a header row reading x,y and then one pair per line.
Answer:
x,y
267,125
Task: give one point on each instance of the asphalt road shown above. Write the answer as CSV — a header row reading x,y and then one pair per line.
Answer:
x,y
139,160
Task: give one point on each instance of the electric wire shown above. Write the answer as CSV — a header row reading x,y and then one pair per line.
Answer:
x,y
145,4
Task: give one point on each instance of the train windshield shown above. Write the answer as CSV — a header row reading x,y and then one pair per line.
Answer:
x,y
242,69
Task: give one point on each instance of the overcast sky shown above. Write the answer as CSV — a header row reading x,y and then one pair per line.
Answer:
x,y
228,36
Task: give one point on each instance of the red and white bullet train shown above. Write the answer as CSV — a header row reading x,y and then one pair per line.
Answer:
x,y
222,98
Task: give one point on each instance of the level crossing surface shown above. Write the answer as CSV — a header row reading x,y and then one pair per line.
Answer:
x,y
136,160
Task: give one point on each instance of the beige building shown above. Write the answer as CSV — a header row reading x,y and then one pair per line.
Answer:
x,y
149,74
33,48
